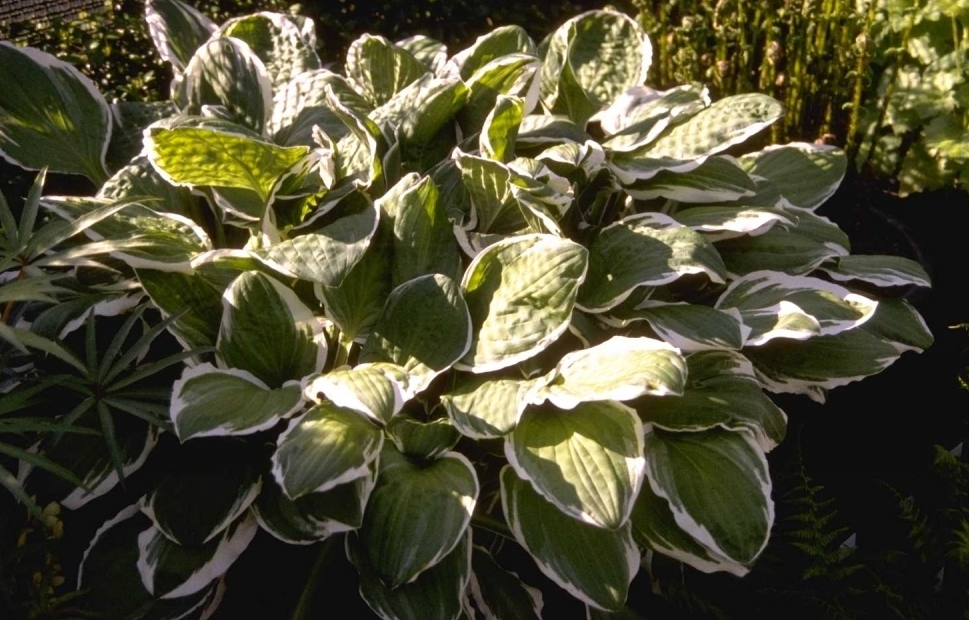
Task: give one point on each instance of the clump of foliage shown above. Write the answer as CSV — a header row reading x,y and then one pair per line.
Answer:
x,y
917,124
504,296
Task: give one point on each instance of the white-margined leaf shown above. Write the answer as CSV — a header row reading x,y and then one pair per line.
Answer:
x,y
177,30
488,184
718,179
282,44
520,292
51,116
718,487
422,439
357,302
499,594
631,168
776,305
109,576
796,250
314,516
806,174
727,222
438,592
326,447
688,327
591,60
900,325
202,157
722,393
430,304
500,42
169,570
192,507
812,366
417,514
654,527
587,461
207,401
549,129
877,270
594,565
620,369
197,301
138,179
500,128
421,109
327,255
724,123
379,69
289,347
226,78
640,115
378,390
514,75
483,407
649,249
430,52
301,103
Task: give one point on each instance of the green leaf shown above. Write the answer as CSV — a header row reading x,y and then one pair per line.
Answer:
x,y
302,103
776,305
591,60
520,292
513,75
640,115
422,440
728,222
422,306
325,448
500,128
877,270
422,108
357,302
196,156
138,179
500,42
718,179
177,30
688,327
285,47
111,582
438,592
649,249
289,346
817,364
196,301
587,461
314,516
722,393
483,407
423,237
806,174
191,508
655,527
618,369
327,255
378,391
499,594
716,128
417,514
430,52
227,75
899,324
170,571
488,184
592,564
22,339
51,116
718,487
379,69
207,401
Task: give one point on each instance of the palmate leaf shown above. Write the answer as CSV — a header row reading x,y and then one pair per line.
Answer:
x,y
327,447
532,277
587,461
51,116
417,513
718,487
592,564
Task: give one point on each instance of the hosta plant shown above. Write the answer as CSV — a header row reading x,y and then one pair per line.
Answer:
x,y
430,301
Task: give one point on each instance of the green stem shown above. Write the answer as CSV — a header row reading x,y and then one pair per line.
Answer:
x,y
343,351
493,525
304,604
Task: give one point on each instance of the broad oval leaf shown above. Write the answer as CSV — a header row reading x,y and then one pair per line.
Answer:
x,y
207,402
486,408
587,461
177,30
718,179
51,116
423,440
438,592
289,347
302,103
417,514
592,564
688,327
650,249
806,174
169,570
620,369
499,594
877,270
426,305
284,47
776,305
377,390
718,487
379,69
520,292
327,447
